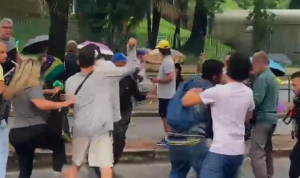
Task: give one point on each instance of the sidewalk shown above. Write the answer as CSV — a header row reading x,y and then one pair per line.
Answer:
x,y
145,151
142,135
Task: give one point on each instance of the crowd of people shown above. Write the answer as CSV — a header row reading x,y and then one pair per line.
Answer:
x,y
235,103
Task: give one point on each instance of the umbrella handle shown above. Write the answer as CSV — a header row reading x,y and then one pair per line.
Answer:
x,y
9,72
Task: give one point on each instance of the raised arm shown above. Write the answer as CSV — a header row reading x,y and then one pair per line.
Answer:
x,y
118,73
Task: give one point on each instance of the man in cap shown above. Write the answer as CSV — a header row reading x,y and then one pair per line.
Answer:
x,y
166,85
128,89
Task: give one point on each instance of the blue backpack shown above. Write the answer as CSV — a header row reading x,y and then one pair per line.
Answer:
x,y
183,119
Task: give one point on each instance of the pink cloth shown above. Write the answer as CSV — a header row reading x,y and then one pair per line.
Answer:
x,y
281,107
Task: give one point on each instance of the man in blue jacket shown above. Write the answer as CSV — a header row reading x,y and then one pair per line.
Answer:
x,y
189,150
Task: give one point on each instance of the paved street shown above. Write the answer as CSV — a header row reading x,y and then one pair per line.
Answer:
x,y
157,170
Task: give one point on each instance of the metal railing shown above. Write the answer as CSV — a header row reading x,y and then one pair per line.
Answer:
x,y
282,89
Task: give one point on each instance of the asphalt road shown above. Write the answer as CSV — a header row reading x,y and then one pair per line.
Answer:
x,y
157,170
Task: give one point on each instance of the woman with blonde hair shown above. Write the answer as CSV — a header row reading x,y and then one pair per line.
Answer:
x,y
29,130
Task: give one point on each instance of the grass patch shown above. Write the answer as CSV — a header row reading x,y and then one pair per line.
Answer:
x,y
165,28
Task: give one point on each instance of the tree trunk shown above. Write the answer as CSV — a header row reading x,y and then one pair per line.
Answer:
x,y
176,35
294,4
91,19
59,17
156,16
149,25
196,41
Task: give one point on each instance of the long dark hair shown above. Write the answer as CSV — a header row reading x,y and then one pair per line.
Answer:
x,y
178,66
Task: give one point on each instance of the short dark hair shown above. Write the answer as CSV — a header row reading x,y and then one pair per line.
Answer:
x,y
165,52
239,67
86,57
211,68
295,75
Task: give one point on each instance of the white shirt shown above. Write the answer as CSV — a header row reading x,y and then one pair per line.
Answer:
x,y
229,106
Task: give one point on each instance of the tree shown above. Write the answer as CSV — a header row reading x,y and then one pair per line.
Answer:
x,y
260,19
109,21
92,19
59,18
153,25
182,6
203,19
294,4
125,15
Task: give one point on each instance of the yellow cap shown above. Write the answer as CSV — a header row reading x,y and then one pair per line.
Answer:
x,y
163,44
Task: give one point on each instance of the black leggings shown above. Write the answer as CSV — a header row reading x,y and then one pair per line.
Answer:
x,y
25,140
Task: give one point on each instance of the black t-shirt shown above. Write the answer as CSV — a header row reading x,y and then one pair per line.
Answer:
x,y
71,64
296,111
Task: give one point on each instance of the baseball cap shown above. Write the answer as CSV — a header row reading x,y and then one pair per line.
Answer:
x,y
141,52
119,57
163,44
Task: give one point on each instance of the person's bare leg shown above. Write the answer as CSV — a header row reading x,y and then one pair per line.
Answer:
x,y
106,172
72,172
167,128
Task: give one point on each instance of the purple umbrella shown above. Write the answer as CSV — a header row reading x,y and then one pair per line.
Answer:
x,y
103,48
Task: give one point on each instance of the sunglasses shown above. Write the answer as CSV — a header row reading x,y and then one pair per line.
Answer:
x,y
5,27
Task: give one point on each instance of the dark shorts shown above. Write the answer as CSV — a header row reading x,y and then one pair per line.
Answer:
x,y
162,107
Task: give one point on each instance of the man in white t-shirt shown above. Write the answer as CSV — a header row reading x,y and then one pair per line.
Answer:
x,y
231,106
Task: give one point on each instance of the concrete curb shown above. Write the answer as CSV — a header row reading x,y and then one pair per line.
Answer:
x,y
152,113
43,160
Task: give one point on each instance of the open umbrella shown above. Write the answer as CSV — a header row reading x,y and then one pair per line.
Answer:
x,y
154,57
276,68
103,48
281,58
36,45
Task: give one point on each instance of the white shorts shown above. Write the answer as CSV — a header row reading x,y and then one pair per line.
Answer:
x,y
99,150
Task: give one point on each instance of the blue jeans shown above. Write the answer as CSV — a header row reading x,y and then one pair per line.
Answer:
x,y
185,157
3,148
221,166
6,113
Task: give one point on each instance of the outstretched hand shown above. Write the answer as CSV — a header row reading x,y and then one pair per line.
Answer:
x,y
68,99
55,91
